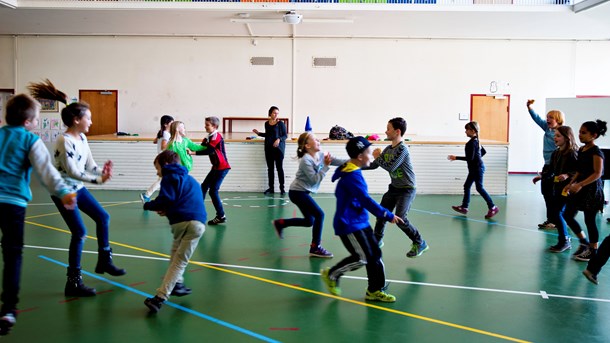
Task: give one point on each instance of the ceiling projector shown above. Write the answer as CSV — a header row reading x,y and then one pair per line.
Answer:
x,y
292,17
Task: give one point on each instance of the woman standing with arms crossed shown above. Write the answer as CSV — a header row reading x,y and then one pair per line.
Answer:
x,y
275,144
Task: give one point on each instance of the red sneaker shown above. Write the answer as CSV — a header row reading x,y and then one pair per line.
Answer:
x,y
460,209
492,212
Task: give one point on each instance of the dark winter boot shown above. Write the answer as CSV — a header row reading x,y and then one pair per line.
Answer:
x,y
104,264
75,286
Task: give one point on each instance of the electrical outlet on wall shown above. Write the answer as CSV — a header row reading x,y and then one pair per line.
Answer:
x,y
463,116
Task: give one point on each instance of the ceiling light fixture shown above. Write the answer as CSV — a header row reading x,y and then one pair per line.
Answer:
x,y
292,18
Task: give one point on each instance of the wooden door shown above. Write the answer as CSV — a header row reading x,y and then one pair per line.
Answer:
x,y
492,112
104,110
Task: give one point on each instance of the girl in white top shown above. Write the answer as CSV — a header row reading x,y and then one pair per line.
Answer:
x,y
75,163
313,166
161,140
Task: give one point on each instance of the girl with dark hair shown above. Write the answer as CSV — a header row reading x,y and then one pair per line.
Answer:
x,y
275,144
161,140
476,169
313,166
562,168
75,163
585,190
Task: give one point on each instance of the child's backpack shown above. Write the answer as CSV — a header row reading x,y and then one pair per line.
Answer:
x,y
339,133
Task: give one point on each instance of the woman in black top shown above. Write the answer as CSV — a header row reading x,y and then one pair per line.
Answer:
x,y
275,143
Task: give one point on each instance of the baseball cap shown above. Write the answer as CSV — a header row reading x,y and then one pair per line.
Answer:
x,y
357,145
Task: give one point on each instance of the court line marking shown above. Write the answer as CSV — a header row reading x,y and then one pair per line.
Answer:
x,y
542,294
281,284
169,303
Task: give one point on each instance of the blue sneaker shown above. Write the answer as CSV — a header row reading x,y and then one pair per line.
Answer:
x,y
144,198
418,249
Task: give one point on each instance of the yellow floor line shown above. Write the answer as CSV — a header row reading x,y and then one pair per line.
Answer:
x,y
402,313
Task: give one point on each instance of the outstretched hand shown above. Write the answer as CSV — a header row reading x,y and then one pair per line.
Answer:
x,y
69,201
530,102
397,220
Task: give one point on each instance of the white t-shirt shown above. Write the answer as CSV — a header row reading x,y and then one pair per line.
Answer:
x,y
166,136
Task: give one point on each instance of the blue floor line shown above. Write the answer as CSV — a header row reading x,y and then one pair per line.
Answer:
x,y
170,304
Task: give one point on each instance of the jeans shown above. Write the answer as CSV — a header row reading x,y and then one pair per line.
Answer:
x,y
364,251
476,176
557,208
186,237
86,203
275,156
401,200
212,182
12,253
312,213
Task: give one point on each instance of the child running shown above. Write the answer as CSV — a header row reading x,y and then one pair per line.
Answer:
x,y
181,201
351,223
161,140
562,168
585,190
75,163
396,159
476,169
220,167
21,151
313,166
183,146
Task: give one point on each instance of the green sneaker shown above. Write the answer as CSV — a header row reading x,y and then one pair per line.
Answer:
x,y
418,249
380,296
331,285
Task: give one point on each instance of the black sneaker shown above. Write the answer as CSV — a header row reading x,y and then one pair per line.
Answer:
x,y
585,256
181,290
590,276
154,304
217,220
268,191
7,321
581,248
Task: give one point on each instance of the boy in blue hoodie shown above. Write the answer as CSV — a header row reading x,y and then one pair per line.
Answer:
x,y
20,152
181,201
351,223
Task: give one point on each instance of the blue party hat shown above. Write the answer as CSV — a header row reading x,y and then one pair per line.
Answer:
x,y
308,125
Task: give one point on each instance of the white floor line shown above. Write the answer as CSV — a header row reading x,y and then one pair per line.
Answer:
x,y
541,293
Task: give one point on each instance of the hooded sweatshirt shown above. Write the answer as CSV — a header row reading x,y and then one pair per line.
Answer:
x,y
180,196
353,201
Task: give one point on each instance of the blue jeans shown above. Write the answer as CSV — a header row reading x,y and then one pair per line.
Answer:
x,y
312,213
399,200
212,182
557,207
476,176
12,252
86,203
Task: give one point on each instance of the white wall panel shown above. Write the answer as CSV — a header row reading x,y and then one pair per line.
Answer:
x,y
434,173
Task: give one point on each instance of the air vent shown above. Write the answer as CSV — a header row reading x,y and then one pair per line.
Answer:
x,y
324,61
261,61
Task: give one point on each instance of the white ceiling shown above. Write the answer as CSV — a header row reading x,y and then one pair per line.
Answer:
x,y
369,20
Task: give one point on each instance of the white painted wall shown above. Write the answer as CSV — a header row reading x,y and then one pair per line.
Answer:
x,y
427,81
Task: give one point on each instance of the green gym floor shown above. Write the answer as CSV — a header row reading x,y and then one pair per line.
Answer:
x,y
481,281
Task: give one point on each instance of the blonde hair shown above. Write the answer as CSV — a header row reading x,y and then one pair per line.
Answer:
x,y
173,131
557,115
301,142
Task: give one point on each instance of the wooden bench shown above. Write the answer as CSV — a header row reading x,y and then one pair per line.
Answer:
x,y
227,122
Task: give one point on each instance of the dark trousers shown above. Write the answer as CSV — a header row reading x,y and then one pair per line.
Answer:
x,y
12,251
212,182
590,222
364,251
476,176
546,188
86,203
601,258
275,156
312,214
399,201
